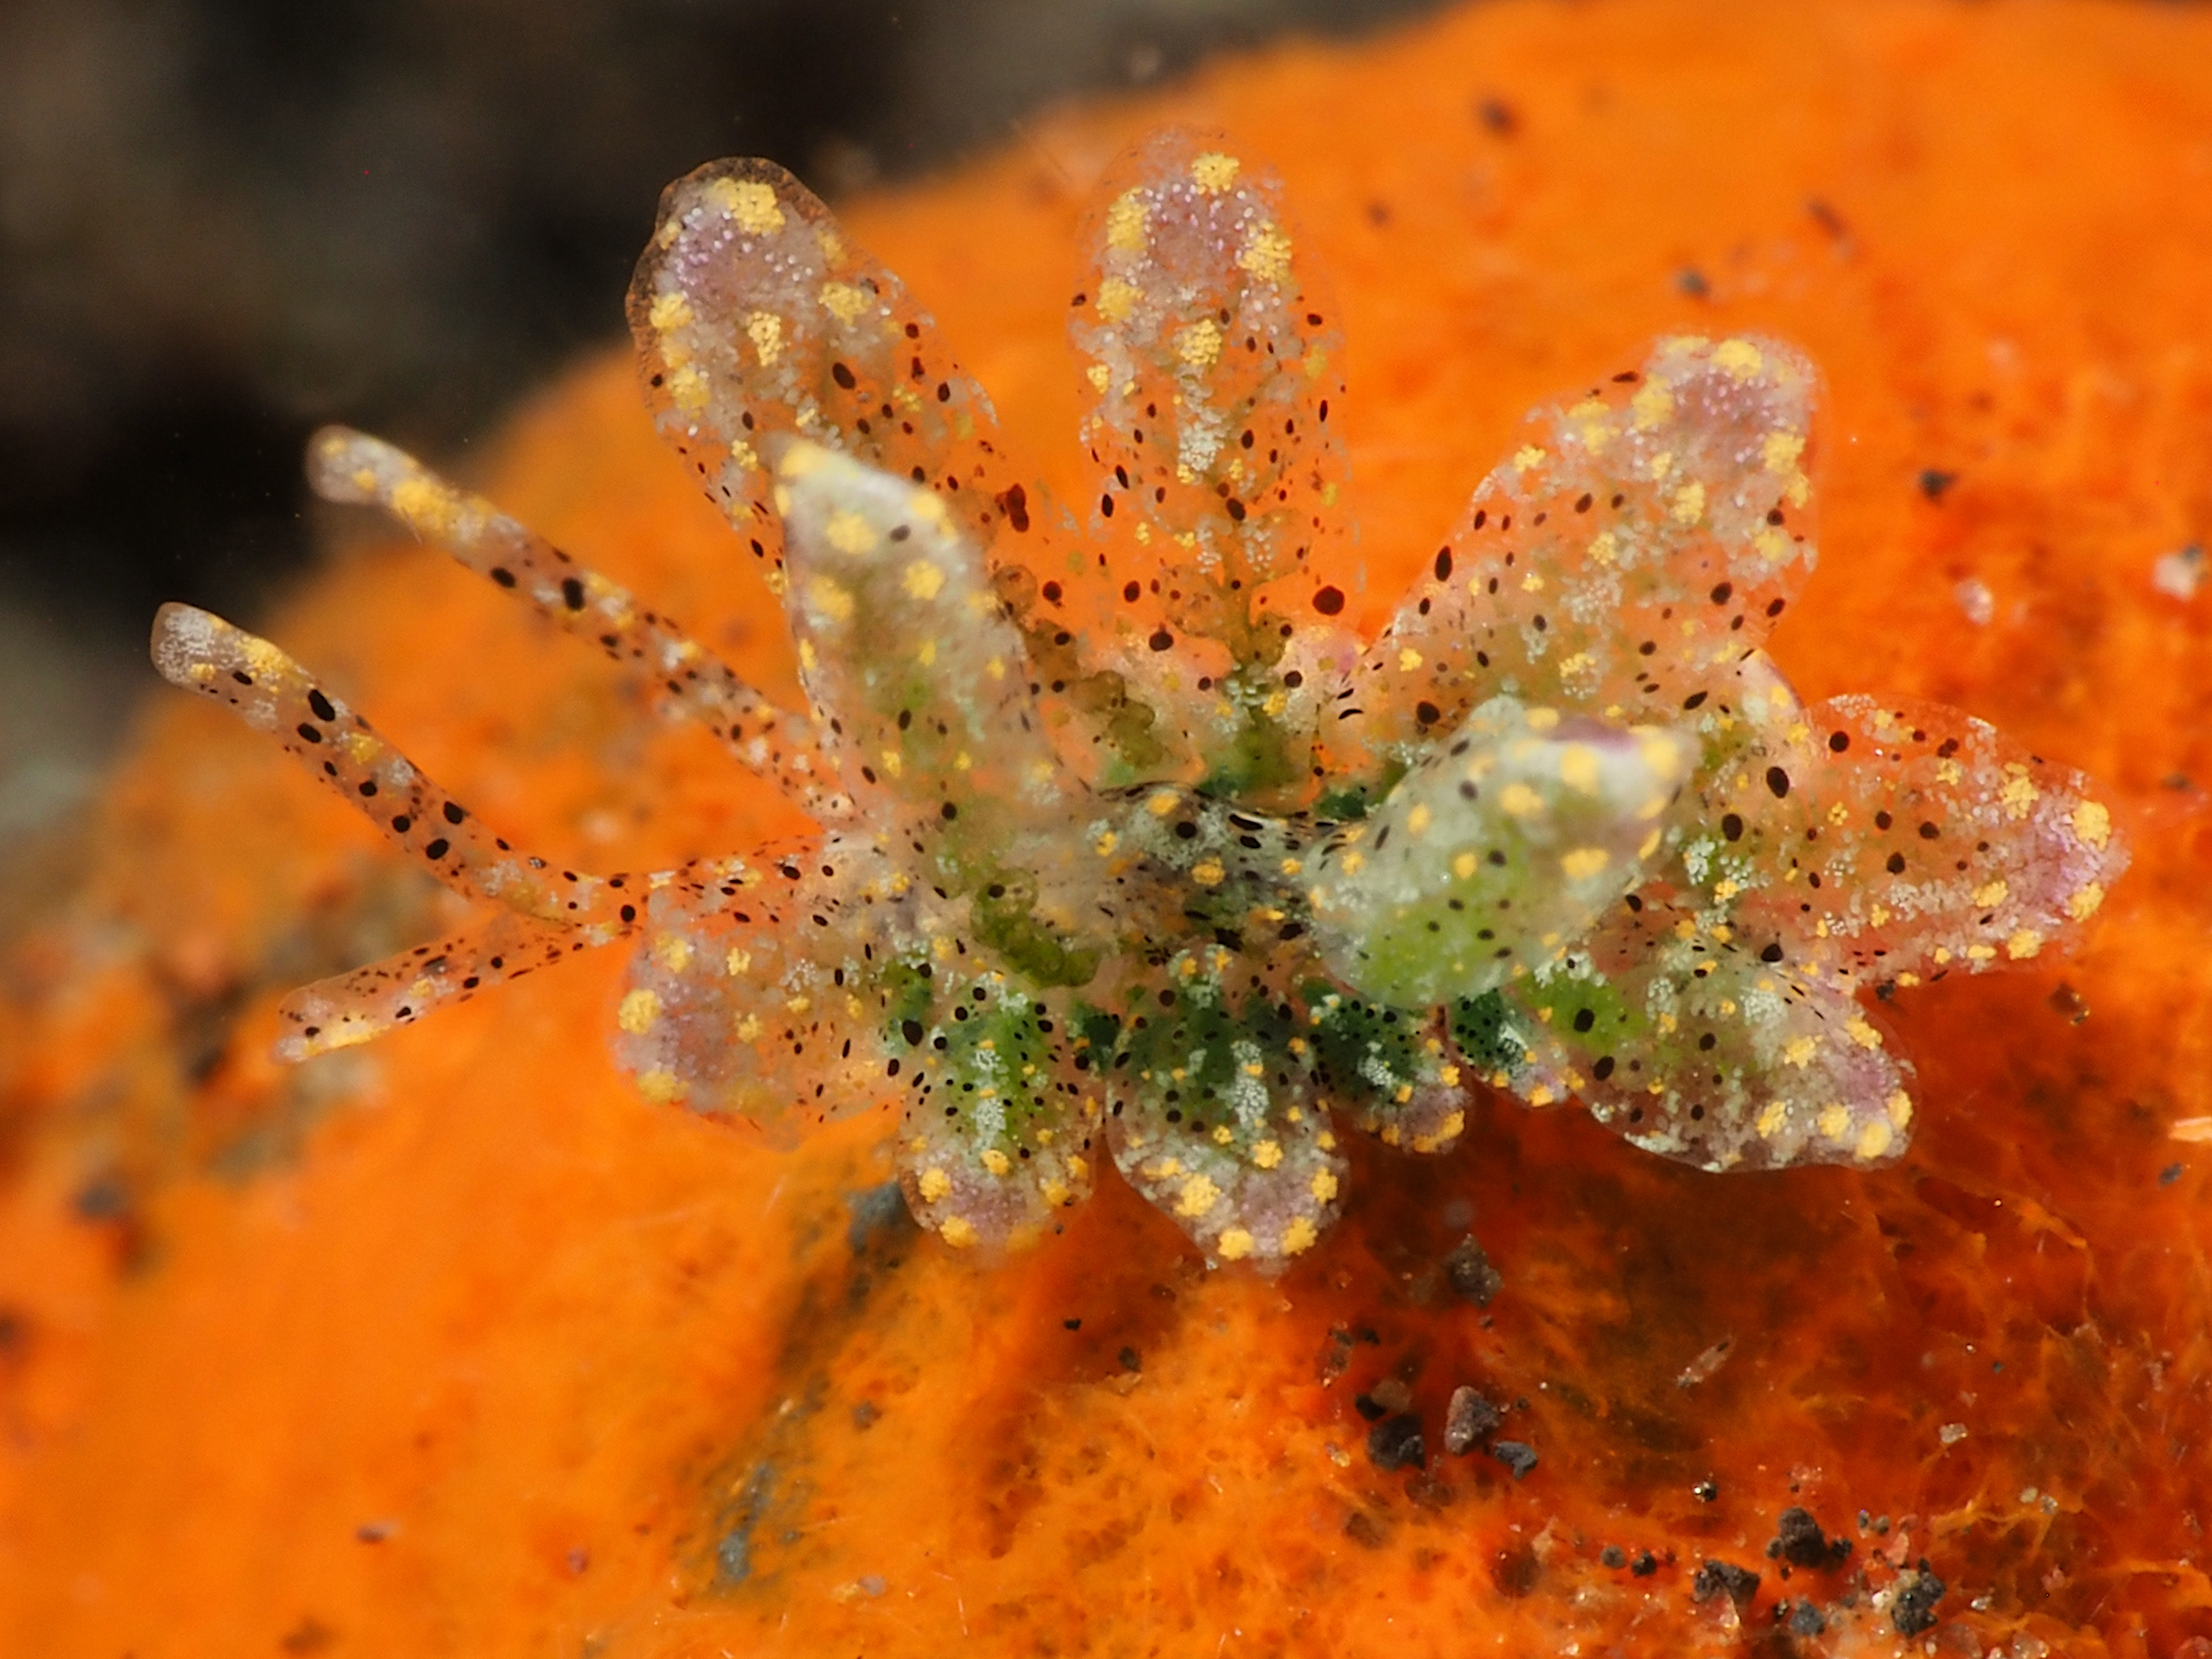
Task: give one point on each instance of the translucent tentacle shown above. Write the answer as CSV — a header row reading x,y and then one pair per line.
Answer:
x,y
1941,846
1494,858
1213,1118
1698,1049
352,1008
1638,540
999,1122
271,693
345,465
766,987
1219,379
911,663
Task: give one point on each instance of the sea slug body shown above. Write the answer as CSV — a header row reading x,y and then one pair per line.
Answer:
x,y
1128,849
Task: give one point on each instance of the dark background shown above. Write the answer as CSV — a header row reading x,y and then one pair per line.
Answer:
x,y
223,222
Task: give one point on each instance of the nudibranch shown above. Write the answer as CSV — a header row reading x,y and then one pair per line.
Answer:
x,y
1127,847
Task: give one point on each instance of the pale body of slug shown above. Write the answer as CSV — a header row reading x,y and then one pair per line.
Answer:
x,y
1127,848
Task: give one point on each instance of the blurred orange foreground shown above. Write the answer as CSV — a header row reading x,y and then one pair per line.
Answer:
x,y
455,1346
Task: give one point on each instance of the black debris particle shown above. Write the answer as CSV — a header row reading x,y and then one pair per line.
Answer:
x,y
1396,1443
1130,1360
865,1414
1517,1455
1362,1527
1516,1571
1613,1556
2169,1174
1707,1491
1469,1419
310,1635
2068,1002
1725,1579
1500,116
1645,1565
876,1215
1071,1324
1690,281
1912,1600
1799,1540
375,1532
1472,1273
1807,1621
1369,1407
1933,483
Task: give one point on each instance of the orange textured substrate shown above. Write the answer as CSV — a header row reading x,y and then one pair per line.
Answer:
x,y
455,1345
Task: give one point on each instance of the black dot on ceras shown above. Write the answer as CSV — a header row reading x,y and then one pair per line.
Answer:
x,y
1838,741
437,849
1777,782
1427,714
452,812
948,812
1161,640
572,592
321,704
1584,1018
1444,564
1328,600
1721,593
1732,826
1895,864
309,732
401,824
1771,953
502,575
842,376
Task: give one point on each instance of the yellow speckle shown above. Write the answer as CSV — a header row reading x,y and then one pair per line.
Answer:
x,y
424,506
2092,823
1417,820
1408,660
832,599
1874,1139
750,202
1532,583
2020,793
1208,873
2024,943
1653,402
1267,1154
1835,1120
1981,953
1991,893
1117,298
1527,456
894,763
673,951
996,1161
661,1087
1689,504
1464,866
1213,172
1105,844
1584,863
740,961
1125,221
1266,253
1772,1120
1862,1034
843,302
765,330
638,1012
1234,1244
1739,357
1197,1195
1199,345
1900,1108
1163,802
669,311
1098,374
1578,767
957,1232
1299,1236
1322,1186
923,580
1799,1052
932,1184
2086,899
1519,801
1782,449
